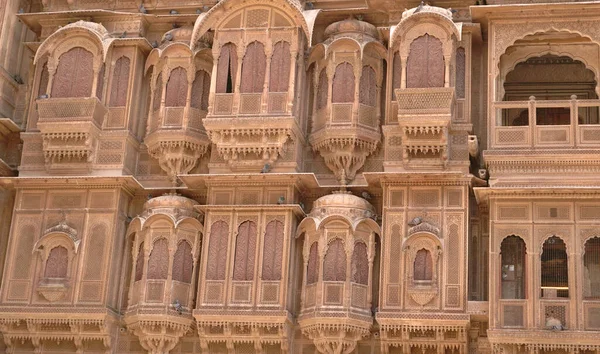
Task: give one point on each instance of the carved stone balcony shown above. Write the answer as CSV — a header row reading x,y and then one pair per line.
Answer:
x,y
345,137
161,288
70,128
336,303
247,143
559,135
424,116
177,139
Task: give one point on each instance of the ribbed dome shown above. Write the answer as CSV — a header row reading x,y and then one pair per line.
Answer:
x,y
332,203
170,201
351,26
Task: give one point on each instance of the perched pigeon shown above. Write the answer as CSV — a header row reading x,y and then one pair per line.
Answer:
x,y
281,200
142,9
266,168
169,36
178,307
419,8
366,195
416,221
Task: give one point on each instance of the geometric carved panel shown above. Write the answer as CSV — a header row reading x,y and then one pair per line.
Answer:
x,y
513,315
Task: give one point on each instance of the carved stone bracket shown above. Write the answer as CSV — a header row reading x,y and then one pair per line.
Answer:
x,y
159,335
177,152
344,154
336,337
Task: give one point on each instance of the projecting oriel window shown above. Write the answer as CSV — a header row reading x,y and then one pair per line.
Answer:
x,y
555,272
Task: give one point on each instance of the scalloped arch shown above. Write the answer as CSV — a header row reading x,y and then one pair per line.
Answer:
x,y
207,20
548,27
63,236
413,20
423,234
69,32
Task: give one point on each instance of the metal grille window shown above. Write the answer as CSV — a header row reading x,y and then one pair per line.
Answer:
x,y
591,269
555,275
513,253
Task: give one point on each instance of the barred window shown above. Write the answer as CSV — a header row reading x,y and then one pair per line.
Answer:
x,y
423,266
57,263
245,249
334,265
254,66
183,263
312,270
555,272
513,253
591,265
226,69
343,84
158,261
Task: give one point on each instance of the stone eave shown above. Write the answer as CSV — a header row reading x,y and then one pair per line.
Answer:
x,y
36,20
203,181
422,178
483,194
295,208
545,338
483,14
266,318
128,183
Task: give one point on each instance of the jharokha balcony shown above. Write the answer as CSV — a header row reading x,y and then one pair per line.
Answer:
x,y
546,124
549,138
70,128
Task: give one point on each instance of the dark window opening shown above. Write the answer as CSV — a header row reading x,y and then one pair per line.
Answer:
x,y
555,274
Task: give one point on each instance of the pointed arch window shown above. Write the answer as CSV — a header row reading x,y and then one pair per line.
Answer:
x,y
44,78
512,269
120,82
368,87
397,73
360,264
177,88
343,84
425,64
312,270
253,69
200,90
158,261
74,75
555,270
139,263
280,67
591,266
217,251
57,263
322,90
273,251
227,68
100,83
245,249
423,266
460,72
334,264
183,263
157,93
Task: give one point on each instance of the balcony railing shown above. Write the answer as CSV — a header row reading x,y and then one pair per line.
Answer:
x,y
546,124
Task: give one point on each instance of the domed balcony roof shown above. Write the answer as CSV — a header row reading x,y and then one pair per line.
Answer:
x,y
170,201
350,26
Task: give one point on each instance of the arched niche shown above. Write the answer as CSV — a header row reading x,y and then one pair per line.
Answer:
x,y
229,14
563,43
431,22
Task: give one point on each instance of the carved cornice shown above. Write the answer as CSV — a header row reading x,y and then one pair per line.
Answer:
x,y
546,339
